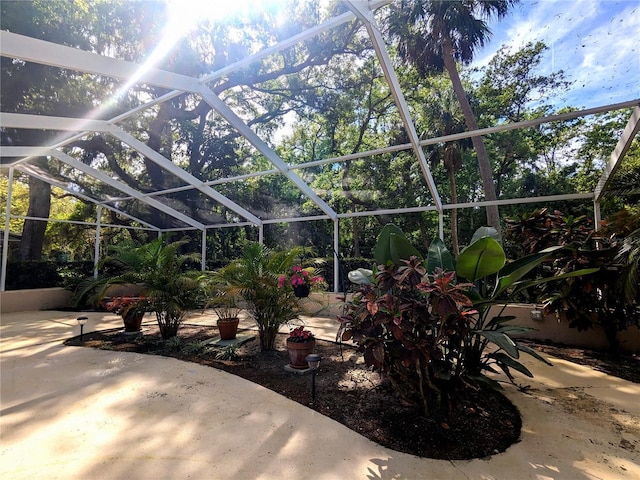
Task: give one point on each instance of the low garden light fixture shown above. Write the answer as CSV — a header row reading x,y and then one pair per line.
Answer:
x,y
81,322
313,360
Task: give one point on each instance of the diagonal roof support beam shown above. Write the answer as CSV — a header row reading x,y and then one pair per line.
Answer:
x,y
365,15
27,170
123,187
624,142
300,37
289,42
178,172
229,115
19,120
47,53
72,162
44,122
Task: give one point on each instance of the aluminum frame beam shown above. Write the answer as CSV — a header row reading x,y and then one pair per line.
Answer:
x,y
24,168
482,131
168,165
451,206
620,150
77,164
5,236
230,116
47,53
365,15
21,120
72,162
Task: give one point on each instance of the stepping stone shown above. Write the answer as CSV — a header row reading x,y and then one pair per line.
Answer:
x,y
239,340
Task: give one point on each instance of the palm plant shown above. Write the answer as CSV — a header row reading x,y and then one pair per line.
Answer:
x,y
629,256
159,269
435,34
254,276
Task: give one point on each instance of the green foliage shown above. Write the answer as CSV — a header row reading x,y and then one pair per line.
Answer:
x,y
45,274
392,246
195,348
482,258
33,274
608,297
230,352
159,269
429,333
254,277
172,344
439,257
629,257
542,228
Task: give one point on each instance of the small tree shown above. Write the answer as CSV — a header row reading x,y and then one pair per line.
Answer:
x,y
160,269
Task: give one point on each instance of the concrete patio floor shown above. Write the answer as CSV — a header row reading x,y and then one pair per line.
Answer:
x,y
77,413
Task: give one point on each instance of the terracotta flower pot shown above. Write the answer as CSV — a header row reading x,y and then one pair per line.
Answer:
x,y
132,321
298,352
228,328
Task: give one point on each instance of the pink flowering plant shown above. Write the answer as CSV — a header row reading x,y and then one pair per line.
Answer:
x,y
300,335
125,304
299,277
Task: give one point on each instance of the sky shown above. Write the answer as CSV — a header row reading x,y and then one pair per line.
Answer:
x,y
595,42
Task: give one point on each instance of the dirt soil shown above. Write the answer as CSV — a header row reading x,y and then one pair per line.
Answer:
x,y
358,398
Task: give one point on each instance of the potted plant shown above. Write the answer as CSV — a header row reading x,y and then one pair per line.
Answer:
x,y
226,308
302,280
158,268
255,277
300,343
131,309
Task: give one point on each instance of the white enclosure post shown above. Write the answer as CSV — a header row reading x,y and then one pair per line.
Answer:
x,y
96,245
441,225
597,219
203,264
5,239
336,259
261,234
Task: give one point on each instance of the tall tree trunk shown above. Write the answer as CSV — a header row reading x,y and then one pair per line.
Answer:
x,y
347,191
454,211
356,237
486,174
33,230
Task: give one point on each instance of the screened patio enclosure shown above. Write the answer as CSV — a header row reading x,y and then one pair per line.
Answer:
x,y
215,203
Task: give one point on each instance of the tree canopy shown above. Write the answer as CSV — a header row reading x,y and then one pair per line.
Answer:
x,y
325,97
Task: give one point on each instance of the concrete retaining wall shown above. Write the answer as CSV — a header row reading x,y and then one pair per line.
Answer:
x,y
558,331
35,299
549,328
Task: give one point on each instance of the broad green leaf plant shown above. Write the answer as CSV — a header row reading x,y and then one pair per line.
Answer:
x,y
429,325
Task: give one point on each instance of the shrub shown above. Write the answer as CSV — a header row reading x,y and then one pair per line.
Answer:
x,y
609,296
428,332
254,277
